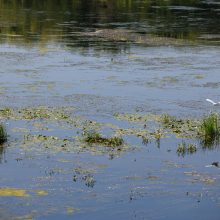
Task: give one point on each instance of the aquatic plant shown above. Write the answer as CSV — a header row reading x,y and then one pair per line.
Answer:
x,y
158,134
3,134
181,127
191,148
89,180
209,131
96,138
167,119
181,149
184,148
43,112
171,122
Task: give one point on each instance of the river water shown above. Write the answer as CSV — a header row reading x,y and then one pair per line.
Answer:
x,y
97,59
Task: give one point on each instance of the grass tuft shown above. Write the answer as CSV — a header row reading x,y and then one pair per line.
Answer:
x,y
209,131
96,138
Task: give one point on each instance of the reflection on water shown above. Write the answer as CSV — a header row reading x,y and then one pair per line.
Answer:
x,y
64,21
2,153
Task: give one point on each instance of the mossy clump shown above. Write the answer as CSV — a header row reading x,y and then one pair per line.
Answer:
x,y
96,138
3,134
209,131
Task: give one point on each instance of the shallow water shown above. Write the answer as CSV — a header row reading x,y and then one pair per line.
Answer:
x,y
50,57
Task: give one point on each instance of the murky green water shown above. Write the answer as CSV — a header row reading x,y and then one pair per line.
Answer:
x,y
111,67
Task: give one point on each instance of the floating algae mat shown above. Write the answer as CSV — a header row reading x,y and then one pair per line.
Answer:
x,y
13,192
82,134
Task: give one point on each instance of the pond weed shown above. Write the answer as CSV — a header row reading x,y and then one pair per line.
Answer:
x,y
96,138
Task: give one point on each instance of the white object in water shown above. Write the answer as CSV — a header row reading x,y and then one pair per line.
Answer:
x,y
214,103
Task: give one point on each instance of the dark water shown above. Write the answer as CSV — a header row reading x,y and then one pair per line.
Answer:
x,y
156,57
62,21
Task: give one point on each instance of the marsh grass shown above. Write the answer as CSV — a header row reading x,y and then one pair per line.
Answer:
x,y
209,131
96,138
3,134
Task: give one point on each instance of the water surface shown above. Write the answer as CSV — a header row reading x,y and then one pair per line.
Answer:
x,y
167,61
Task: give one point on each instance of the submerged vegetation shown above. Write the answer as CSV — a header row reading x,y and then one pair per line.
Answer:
x,y
147,127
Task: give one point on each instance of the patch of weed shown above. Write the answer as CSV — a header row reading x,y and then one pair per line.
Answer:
x,y
96,138
6,112
184,148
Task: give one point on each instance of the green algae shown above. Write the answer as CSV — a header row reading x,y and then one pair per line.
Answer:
x,y
41,143
205,129
164,124
71,210
12,192
137,118
186,127
43,113
6,113
40,112
41,192
87,134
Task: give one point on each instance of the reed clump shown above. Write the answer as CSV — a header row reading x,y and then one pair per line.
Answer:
x,y
209,131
